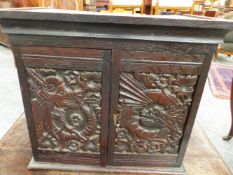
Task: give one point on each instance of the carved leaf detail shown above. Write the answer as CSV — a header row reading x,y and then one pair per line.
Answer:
x,y
152,112
66,109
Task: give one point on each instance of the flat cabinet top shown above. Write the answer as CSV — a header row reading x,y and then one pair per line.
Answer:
x,y
95,17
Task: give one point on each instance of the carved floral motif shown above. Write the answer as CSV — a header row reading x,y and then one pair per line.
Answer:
x,y
66,107
152,110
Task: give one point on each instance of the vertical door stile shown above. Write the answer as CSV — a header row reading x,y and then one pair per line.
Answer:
x,y
106,80
114,93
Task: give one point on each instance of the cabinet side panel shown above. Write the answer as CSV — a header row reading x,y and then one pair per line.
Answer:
x,y
26,98
195,105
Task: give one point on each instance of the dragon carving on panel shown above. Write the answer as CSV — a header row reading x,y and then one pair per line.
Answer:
x,y
66,109
152,110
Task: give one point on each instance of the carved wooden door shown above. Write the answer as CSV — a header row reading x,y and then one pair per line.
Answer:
x,y
68,89
150,103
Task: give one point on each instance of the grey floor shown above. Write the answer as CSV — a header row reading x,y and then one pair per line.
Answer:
x,y
214,117
213,114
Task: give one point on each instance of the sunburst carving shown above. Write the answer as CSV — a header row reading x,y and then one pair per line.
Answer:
x,y
152,110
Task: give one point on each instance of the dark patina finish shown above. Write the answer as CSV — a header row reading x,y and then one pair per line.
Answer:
x,y
108,90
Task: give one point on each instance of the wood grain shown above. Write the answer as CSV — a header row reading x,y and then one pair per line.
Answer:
x,y
73,16
111,90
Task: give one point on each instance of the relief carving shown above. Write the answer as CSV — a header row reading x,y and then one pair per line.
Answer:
x,y
152,110
66,107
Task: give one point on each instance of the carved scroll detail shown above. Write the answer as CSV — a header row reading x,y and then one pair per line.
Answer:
x,y
66,109
152,110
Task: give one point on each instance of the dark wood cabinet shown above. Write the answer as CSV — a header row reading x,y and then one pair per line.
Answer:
x,y
111,92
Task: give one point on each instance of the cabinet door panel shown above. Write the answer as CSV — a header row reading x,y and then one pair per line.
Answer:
x,y
66,93
149,108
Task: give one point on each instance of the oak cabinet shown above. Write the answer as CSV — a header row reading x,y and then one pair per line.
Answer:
x,y
111,93
69,91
